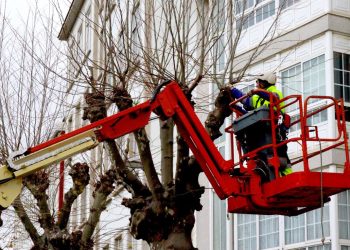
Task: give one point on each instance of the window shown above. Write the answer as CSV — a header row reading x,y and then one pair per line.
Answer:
x,y
219,53
135,24
307,79
219,222
292,83
246,231
88,30
242,5
287,3
342,76
268,231
317,220
344,215
320,247
219,21
294,229
267,10
313,120
314,77
248,19
80,43
222,151
317,118
118,243
130,242
309,223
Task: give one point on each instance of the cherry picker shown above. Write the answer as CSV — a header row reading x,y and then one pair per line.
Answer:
x,y
245,192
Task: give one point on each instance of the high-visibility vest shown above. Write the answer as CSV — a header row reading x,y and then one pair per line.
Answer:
x,y
258,101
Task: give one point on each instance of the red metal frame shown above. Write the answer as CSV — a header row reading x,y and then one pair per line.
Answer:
x,y
61,184
300,191
290,195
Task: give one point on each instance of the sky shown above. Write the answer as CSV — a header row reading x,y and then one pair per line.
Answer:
x,y
17,10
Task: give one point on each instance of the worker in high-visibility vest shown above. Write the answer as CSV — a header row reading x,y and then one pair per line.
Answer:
x,y
257,99
253,101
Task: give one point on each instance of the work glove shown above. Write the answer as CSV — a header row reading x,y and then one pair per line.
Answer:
x,y
236,93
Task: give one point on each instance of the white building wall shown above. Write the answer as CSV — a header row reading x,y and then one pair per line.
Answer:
x,y
341,6
289,19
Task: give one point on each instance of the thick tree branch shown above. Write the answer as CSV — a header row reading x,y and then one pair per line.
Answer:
x,y
95,111
126,176
217,117
166,147
103,188
28,225
147,161
37,184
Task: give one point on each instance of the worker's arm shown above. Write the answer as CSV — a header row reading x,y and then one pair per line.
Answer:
x,y
247,102
236,93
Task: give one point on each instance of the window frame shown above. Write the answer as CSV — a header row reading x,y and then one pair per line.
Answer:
x,y
288,4
300,76
249,17
343,78
219,35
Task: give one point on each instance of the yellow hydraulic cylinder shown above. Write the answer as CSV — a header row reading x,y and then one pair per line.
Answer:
x,y
10,189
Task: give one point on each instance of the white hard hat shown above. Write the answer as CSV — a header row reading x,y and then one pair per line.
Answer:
x,y
270,77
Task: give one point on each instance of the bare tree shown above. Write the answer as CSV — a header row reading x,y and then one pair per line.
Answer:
x,y
141,45
193,42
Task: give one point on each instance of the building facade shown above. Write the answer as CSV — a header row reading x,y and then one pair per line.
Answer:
x,y
307,42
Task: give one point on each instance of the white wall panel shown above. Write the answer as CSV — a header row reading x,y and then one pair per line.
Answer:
x,y
271,64
341,5
318,45
301,13
287,58
317,7
255,34
303,51
341,43
267,27
285,21
243,43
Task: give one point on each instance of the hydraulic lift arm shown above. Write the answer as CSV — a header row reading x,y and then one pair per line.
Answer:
x,y
245,190
170,102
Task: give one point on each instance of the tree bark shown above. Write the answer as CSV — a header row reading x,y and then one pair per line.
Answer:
x,y
217,117
103,188
38,183
166,147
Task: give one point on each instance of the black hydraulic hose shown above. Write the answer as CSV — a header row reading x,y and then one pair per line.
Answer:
x,y
158,88
3,181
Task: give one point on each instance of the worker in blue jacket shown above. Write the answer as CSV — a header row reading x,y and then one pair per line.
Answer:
x,y
253,101
258,99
